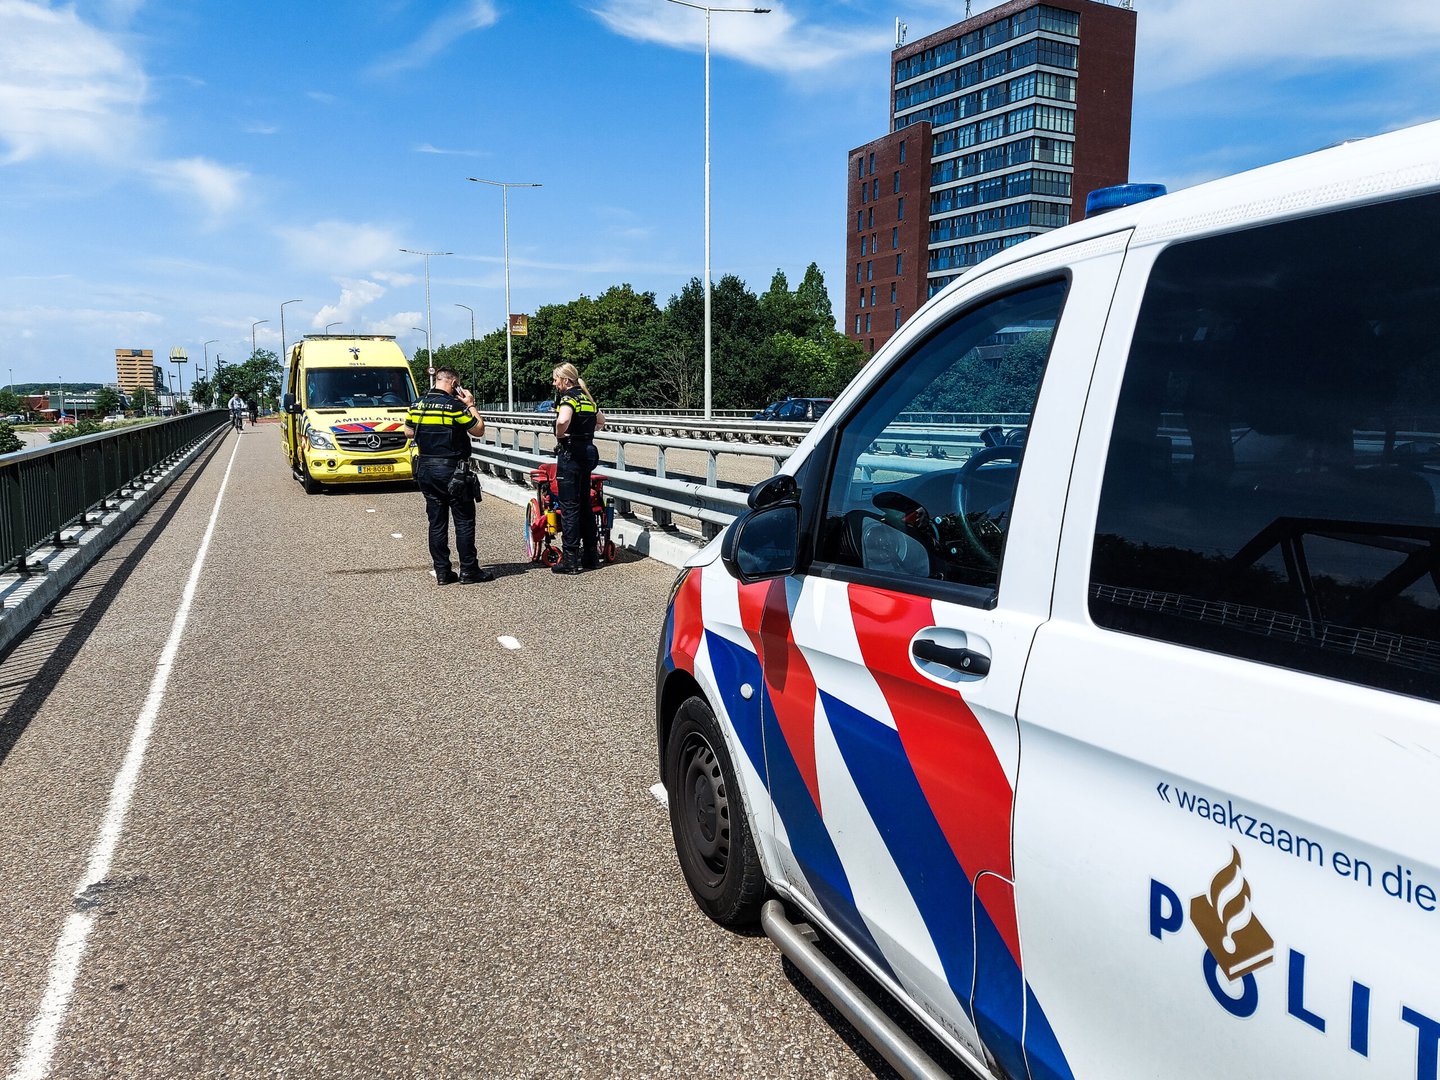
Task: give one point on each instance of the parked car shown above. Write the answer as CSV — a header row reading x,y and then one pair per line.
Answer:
x,y
14,418
545,406
795,409
1111,751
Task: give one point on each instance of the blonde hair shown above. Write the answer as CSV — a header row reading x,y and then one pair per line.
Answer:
x,y
571,373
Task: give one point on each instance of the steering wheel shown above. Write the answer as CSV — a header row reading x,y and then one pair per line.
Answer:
x,y
983,456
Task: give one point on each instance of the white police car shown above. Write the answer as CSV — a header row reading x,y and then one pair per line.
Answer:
x,y
1109,743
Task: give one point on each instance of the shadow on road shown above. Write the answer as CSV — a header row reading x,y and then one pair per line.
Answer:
x,y
33,666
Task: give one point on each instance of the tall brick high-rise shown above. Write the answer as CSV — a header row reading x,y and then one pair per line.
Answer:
x,y
999,127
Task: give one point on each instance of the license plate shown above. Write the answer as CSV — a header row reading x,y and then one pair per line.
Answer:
x,y
379,470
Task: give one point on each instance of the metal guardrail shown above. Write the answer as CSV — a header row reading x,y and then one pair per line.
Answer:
x,y
48,489
920,442
511,448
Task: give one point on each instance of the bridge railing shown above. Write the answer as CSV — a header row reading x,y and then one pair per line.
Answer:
x,y
49,489
515,443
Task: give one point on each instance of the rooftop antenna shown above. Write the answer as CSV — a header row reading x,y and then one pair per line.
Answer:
x,y
900,30
967,9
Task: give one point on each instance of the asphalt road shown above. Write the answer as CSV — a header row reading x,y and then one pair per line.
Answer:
x,y
366,839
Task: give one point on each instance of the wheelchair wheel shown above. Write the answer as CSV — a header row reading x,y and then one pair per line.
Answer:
x,y
534,530
551,555
609,551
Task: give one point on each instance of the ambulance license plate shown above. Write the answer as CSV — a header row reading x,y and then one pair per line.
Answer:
x,y
378,470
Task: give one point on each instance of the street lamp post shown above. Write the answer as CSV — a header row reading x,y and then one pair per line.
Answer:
x,y
708,10
509,360
427,255
472,342
254,324
283,359
330,324
429,353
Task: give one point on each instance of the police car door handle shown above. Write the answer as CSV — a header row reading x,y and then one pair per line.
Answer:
x,y
965,660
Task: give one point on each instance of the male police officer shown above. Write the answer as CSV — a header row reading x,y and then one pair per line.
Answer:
x,y
441,424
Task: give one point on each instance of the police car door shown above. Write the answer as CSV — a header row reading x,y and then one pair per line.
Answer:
x,y
893,665
1226,834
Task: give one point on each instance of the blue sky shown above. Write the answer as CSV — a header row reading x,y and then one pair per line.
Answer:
x,y
171,172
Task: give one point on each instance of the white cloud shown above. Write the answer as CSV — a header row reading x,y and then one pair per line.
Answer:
x,y
342,247
780,41
255,127
1181,42
426,148
354,296
218,188
65,88
439,35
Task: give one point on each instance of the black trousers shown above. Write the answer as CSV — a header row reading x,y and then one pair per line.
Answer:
x,y
433,476
573,466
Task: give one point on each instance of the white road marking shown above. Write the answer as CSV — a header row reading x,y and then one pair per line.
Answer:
x,y
398,536
370,509
34,1062
658,790
508,641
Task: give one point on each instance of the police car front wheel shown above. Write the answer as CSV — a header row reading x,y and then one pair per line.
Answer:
x,y
712,838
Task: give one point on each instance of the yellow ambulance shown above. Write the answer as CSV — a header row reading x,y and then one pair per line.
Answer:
x,y
343,410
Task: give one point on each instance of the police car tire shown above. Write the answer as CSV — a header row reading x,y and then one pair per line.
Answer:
x,y
716,850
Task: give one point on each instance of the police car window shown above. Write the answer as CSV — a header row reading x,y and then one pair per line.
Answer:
x,y
925,469
1273,477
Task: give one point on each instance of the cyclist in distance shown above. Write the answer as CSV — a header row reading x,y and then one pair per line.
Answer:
x,y
237,410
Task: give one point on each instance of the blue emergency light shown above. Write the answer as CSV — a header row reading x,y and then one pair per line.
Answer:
x,y
1112,198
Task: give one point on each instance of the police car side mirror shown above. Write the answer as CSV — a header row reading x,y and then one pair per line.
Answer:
x,y
763,544
779,488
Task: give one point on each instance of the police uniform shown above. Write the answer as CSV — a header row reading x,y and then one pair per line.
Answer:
x,y
575,459
442,424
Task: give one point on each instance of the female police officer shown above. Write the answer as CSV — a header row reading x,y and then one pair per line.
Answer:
x,y
576,418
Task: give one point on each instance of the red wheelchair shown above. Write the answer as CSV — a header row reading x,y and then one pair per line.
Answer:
x,y
544,523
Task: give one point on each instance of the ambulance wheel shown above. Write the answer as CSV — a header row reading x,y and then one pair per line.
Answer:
x,y
717,853
534,522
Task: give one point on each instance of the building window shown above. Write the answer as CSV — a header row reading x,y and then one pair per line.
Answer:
x,y
871,222
897,318
862,245
869,271
900,212
859,168
902,151
862,299
872,295
859,220
872,164
894,239
864,193
899,264
874,188
897,183
857,273
857,324
892,292
867,324
874,247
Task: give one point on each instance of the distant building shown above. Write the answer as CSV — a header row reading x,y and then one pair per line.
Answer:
x,y
135,370
999,127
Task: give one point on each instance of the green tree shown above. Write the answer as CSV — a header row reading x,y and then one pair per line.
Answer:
x,y
9,402
203,392
107,401
257,379
142,401
812,301
9,441
74,431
